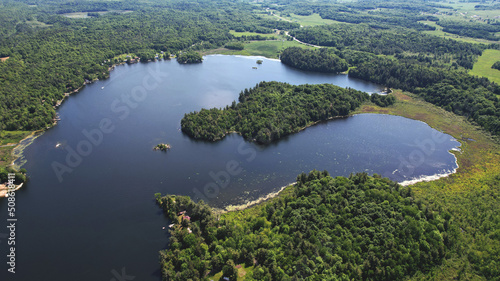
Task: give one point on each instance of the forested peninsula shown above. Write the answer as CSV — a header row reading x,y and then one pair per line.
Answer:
x,y
272,110
321,228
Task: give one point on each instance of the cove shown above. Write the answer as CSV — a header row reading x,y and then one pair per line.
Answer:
x,y
97,220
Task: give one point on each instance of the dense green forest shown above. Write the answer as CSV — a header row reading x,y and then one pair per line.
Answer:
x,y
454,90
397,41
323,228
379,14
189,57
272,110
320,60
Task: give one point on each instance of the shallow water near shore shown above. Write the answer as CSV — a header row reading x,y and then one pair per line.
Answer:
x,y
88,211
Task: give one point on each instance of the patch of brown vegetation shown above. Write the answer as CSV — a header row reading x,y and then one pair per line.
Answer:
x,y
400,96
4,59
213,51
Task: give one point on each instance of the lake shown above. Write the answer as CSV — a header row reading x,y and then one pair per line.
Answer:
x,y
88,211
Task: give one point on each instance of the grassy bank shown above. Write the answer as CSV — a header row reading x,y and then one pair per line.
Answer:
x,y
9,140
268,48
311,20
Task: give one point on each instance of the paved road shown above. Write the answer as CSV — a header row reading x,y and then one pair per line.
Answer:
x,y
307,44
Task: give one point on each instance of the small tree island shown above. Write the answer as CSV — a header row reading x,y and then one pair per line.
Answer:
x,y
162,147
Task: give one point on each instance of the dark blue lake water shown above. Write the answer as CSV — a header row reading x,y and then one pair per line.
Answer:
x,y
88,212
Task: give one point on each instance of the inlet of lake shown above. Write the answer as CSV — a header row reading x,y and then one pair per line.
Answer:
x,y
88,211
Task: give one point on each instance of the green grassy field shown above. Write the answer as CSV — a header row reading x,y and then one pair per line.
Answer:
x,y
269,49
77,15
483,65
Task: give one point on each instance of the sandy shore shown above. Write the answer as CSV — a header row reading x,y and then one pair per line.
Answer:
x,y
431,177
261,199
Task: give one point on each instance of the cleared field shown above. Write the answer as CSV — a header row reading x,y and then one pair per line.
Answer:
x,y
84,15
269,49
240,34
311,20
483,65
80,15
